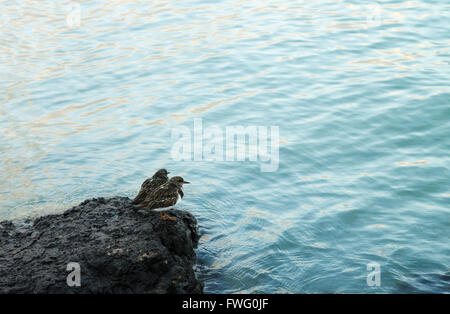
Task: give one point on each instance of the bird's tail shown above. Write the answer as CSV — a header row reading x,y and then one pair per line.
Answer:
x,y
139,206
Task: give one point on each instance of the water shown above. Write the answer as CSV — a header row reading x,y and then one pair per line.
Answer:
x,y
360,94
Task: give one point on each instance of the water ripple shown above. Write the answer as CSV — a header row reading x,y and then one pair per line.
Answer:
x,y
359,90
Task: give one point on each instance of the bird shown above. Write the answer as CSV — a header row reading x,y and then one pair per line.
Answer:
x,y
160,177
164,197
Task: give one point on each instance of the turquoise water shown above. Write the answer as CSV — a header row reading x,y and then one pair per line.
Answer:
x,y
360,93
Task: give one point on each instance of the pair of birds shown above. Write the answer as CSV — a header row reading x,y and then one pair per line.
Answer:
x,y
160,193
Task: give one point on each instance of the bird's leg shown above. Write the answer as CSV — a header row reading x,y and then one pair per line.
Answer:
x,y
167,217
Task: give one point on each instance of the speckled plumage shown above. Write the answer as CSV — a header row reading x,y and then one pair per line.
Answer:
x,y
165,196
149,185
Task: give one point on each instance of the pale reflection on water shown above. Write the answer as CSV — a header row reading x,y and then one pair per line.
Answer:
x,y
359,91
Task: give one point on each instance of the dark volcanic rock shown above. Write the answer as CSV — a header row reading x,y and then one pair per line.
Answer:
x,y
118,250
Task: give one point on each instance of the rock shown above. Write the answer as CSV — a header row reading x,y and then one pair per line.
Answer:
x,y
118,250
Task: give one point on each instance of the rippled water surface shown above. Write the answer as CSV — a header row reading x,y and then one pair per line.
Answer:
x,y
359,91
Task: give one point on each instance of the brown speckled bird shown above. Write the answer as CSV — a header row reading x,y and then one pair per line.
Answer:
x,y
164,197
159,178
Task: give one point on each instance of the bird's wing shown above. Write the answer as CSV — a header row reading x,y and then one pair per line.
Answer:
x,y
167,202
143,191
160,198
147,183
140,197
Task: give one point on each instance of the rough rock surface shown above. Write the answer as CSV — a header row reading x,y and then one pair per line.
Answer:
x,y
118,250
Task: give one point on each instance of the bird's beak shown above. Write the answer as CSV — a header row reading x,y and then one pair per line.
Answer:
x,y
186,182
168,172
